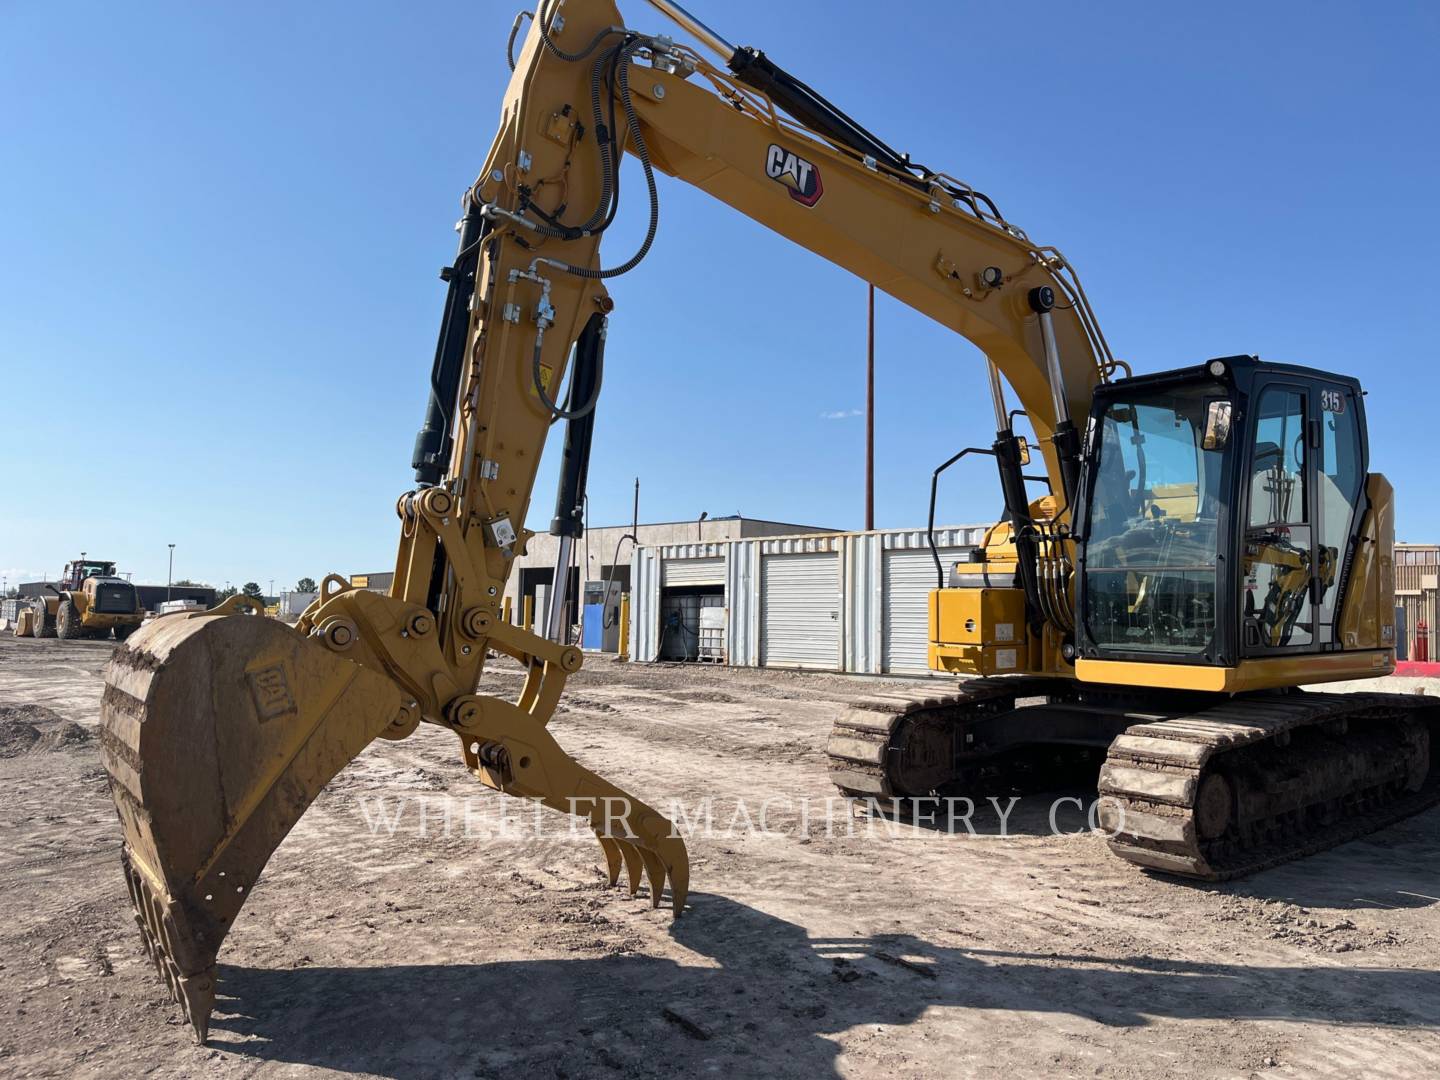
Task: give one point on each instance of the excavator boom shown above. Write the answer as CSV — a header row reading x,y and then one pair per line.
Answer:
x,y
220,729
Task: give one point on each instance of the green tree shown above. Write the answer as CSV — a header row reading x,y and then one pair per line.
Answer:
x,y
223,594
306,584
252,588
186,583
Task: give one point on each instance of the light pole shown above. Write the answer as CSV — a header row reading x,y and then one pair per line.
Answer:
x,y
870,418
170,576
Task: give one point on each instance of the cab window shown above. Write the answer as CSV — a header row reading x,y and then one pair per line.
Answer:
x,y
1277,566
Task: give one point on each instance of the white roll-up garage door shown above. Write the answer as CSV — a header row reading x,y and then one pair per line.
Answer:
x,y
675,572
905,635
800,610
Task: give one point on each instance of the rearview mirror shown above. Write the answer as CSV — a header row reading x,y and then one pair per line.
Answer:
x,y
1024,450
1217,425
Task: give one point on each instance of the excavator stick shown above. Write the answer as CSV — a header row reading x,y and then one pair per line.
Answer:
x,y
218,731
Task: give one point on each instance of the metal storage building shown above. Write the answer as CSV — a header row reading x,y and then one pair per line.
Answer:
x,y
596,555
855,602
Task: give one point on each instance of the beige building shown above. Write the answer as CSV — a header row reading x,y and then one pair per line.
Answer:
x,y
1417,575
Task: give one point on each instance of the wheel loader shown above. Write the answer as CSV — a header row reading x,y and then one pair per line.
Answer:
x,y
89,601
1200,543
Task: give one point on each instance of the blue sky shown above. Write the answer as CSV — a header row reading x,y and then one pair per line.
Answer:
x,y
223,223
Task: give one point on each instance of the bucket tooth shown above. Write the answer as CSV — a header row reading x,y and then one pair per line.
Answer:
x,y
217,733
166,942
613,858
679,886
654,874
634,865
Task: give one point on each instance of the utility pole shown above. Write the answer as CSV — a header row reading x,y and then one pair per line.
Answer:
x,y
170,576
870,419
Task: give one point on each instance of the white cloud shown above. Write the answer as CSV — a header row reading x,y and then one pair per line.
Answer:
x,y
842,414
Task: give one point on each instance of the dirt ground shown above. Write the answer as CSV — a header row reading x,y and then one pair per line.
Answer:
x,y
389,939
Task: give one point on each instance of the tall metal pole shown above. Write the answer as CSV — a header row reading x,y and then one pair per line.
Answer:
x,y
170,576
870,419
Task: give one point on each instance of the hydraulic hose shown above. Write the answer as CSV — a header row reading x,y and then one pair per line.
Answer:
x,y
514,33
544,24
609,200
642,152
598,363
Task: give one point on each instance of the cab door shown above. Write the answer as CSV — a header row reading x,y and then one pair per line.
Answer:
x,y
1340,469
1276,608
1302,488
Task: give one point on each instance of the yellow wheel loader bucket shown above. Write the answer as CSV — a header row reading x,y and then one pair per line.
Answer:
x,y
218,731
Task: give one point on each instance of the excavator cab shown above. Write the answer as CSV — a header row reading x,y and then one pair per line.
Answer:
x,y
1219,509
1220,533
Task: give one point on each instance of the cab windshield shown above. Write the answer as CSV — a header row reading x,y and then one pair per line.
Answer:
x,y
1151,553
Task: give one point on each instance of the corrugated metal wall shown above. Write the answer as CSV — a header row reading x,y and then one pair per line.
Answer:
x,y
742,598
820,600
645,604
864,602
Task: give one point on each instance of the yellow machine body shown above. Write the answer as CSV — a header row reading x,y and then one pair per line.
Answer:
x,y
93,619
978,631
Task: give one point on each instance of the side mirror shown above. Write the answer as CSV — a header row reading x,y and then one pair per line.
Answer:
x,y
1217,426
1024,450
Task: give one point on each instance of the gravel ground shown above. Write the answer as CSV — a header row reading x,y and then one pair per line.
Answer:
x,y
409,928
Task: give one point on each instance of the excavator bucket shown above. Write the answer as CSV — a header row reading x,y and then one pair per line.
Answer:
x,y
218,731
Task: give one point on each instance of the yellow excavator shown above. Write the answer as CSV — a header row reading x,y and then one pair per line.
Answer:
x,y
1201,542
